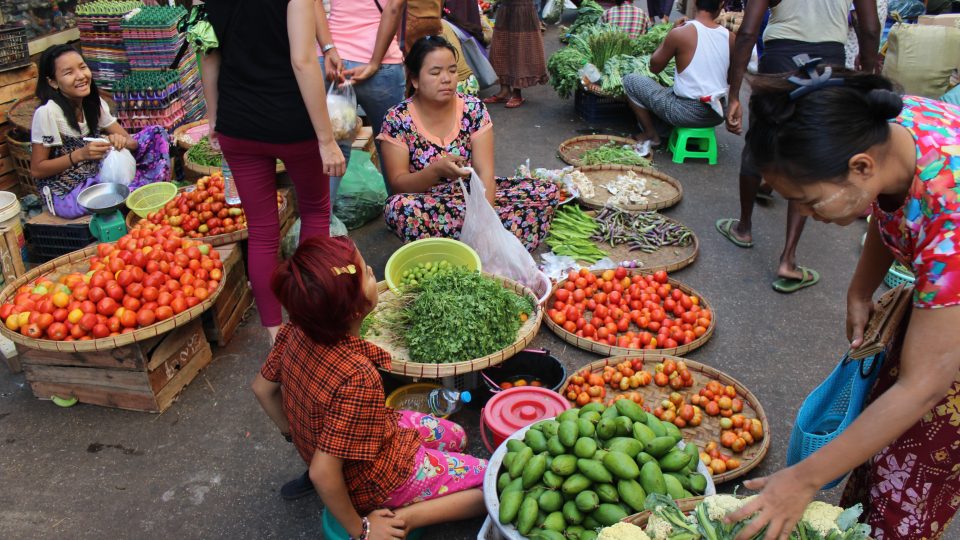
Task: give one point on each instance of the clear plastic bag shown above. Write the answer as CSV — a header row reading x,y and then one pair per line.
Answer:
x,y
342,108
500,252
118,167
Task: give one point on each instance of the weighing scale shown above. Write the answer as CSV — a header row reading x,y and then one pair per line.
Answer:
x,y
104,202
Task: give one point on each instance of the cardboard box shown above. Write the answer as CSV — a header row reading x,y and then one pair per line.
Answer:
x,y
947,19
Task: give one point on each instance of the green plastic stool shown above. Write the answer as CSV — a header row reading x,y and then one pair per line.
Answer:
x,y
332,530
705,139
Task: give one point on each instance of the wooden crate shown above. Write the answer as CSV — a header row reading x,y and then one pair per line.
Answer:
x,y
145,376
222,320
15,84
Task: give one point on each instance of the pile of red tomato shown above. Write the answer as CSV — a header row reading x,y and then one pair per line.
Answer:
x,y
633,312
200,212
143,278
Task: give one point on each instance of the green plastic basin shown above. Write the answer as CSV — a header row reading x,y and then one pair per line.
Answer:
x,y
428,250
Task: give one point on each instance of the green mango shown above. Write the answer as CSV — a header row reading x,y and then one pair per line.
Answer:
x,y
527,516
510,506
585,447
621,465
550,501
594,470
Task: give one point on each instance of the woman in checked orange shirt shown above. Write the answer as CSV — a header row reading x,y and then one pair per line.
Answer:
x,y
381,473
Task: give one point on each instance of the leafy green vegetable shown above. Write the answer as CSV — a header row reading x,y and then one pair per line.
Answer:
x,y
614,154
452,317
588,14
647,43
563,67
204,154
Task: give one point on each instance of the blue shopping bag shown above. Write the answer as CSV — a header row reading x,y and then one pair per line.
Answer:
x,y
833,406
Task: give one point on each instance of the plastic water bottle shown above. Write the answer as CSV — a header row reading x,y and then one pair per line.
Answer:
x,y
229,187
444,402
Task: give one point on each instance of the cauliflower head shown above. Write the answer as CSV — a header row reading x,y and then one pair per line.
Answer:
x,y
718,506
658,528
822,517
623,531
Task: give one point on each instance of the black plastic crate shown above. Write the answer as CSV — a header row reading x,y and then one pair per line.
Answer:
x,y
594,108
13,47
46,242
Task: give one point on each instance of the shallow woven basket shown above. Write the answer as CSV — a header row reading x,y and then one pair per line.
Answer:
x,y
203,170
571,150
709,430
77,261
401,365
611,350
667,258
181,137
217,240
685,505
666,190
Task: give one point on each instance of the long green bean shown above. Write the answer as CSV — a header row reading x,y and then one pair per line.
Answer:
x,y
644,231
570,234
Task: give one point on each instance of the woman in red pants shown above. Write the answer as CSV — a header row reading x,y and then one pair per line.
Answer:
x,y
266,101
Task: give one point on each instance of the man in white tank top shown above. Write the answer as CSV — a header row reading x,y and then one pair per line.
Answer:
x,y
701,49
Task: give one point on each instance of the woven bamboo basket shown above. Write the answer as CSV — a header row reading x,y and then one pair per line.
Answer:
x,y
217,240
401,364
686,506
571,150
20,152
665,190
203,170
611,350
181,136
21,113
709,430
77,261
667,258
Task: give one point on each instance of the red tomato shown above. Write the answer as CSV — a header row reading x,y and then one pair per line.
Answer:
x,y
660,276
602,333
579,295
559,318
615,298
623,325
570,327
572,313
563,295
620,273
589,330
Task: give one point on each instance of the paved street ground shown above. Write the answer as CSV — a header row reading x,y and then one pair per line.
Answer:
x,y
212,465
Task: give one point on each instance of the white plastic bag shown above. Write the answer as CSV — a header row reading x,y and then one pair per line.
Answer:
x,y
501,253
342,108
118,167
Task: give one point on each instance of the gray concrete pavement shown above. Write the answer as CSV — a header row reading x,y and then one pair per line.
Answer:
x,y
212,465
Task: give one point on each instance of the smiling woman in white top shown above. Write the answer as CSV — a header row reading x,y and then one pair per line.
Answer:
x,y
71,111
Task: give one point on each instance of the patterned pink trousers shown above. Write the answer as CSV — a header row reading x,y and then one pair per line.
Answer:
x,y
440,468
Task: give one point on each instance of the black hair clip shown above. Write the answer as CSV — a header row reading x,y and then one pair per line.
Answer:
x,y
815,81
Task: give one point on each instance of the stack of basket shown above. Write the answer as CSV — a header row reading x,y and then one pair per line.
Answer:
x,y
101,38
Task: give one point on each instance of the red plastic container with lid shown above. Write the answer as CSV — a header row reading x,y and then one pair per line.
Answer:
x,y
516,408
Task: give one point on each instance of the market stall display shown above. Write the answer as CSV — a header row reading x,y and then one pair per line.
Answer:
x,y
704,517
588,468
634,189
200,212
571,150
672,389
101,38
201,159
459,327
646,240
111,295
621,312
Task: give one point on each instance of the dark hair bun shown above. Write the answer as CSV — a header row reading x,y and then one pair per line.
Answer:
x,y
884,103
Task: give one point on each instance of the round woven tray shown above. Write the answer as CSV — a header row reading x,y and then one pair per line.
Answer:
x,y
610,350
218,240
686,506
77,261
665,190
667,258
204,170
400,363
571,150
183,138
709,430
21,113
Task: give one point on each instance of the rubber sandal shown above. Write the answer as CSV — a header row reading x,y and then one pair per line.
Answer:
x,y
765,194
513,103
792,285
495,99
724,227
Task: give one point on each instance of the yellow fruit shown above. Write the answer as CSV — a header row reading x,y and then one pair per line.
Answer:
x,y
23,319
61,299
13,322
75,316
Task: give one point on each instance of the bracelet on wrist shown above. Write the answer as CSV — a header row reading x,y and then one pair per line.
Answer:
x,y
327,48
70,157
364,529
